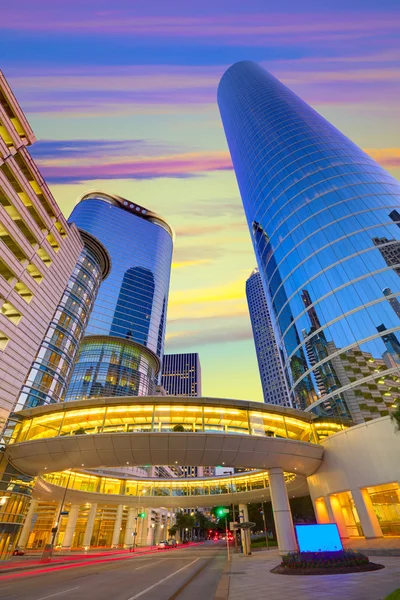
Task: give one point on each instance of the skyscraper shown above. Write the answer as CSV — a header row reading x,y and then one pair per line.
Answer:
x,y
394,303
181,374
314,203
390,250
273,381
48,377
38,252
122,350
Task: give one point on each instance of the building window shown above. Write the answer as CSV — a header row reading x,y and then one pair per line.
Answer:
x,y
9,311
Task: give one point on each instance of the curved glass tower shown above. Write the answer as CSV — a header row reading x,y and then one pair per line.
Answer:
x,y
48,377
124,341
325,225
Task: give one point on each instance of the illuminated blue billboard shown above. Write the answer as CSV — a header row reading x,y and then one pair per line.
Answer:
x,y
318,538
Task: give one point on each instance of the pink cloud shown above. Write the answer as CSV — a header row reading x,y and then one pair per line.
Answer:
x,y
249,29
135,167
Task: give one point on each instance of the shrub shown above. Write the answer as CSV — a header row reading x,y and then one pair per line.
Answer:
x,y
323,560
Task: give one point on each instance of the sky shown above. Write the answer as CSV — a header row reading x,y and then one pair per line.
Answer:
x,y
122,97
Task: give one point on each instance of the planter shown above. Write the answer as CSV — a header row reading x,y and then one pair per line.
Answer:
x,y
326,570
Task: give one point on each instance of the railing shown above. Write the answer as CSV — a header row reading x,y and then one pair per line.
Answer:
x,y
157,418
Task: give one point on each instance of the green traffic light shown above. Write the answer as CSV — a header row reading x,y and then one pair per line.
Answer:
x,y
142,515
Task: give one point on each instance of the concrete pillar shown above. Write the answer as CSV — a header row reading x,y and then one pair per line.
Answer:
x,y
27,528
244,513
71,524
281,511
89,526
337,512
117,526
244,510
130,527
321,511
368,519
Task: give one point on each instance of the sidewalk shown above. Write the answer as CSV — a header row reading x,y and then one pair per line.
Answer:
x,y
250,577
388,546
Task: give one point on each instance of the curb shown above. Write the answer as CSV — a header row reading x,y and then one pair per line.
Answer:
x,y
222,592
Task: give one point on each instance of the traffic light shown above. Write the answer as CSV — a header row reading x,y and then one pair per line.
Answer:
x,y
221,512
142,515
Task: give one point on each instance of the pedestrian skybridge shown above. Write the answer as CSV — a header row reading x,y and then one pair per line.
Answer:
x,y
160,430
111,488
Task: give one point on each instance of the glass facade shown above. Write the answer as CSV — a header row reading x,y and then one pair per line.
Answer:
x,y
148,487
325,227
131,304
104,367
272,377
15,494
161,416
51,370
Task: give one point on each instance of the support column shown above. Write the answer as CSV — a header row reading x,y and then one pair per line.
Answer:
x,y
71,524
87,538
281,511
368,519
321,511
27,528
243,508
130,526
338,517
117,526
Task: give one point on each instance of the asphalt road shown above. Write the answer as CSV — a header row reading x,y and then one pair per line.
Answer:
x,y
183,574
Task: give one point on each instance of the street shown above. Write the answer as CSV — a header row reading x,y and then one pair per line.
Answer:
x,y
189,573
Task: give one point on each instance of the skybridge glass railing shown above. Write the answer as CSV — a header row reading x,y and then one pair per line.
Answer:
x,y
166,418
88,482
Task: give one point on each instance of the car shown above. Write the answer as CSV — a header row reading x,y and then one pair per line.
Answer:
x,y
185,541
173,543
18,552
163,544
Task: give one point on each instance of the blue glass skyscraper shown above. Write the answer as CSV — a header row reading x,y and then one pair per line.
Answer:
x,y
269,364
325,228
123,346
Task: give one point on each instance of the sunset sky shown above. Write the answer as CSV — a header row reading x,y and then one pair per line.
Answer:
x,y
122,97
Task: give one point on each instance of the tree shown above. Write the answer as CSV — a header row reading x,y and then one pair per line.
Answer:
x,y
184,521
203,523
178,428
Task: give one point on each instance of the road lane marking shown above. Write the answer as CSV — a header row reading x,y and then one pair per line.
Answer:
x,y
59,593
159,582
150,563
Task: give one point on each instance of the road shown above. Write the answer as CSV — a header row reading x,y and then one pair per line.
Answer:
x,y
183,574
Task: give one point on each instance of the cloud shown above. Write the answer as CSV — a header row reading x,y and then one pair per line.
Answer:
x,y
93,90
191,263
69,151
387,157
251,29
73,161
209,229
198,338
100,165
